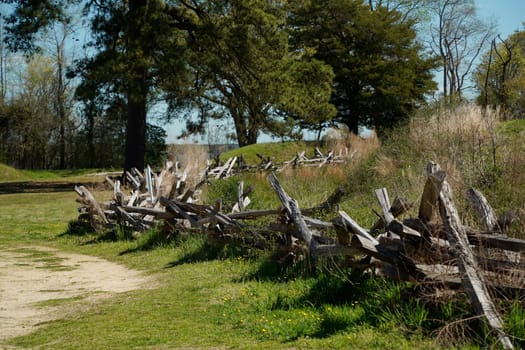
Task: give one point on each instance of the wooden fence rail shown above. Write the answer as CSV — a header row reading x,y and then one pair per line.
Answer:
x,y
403,249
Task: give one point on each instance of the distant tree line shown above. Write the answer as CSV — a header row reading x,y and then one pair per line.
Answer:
x,y
263,66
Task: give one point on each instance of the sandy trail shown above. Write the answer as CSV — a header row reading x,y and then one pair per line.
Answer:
x,y
34,279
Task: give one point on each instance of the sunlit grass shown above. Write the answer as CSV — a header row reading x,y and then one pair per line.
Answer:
x,y
209,296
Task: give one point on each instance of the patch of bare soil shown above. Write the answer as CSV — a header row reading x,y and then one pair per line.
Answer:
x,y
38,285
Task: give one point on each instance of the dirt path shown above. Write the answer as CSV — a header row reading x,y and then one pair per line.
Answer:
x,y
38,284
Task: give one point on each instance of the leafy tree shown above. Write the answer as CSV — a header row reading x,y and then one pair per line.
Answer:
x,y
155,145
29,132
126,40
129,39
3,62
51,41
381,73
500,78
243,69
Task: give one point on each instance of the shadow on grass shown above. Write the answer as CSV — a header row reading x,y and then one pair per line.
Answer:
x,y
209,252
77,228
82,228
153,239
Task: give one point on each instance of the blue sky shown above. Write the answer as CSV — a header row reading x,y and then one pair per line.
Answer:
x,y
508,14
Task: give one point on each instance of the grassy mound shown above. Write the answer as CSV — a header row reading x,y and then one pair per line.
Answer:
x,y
9,174
279,151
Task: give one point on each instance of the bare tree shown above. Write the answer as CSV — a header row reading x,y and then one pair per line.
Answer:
x,y
3,55
457,37
410,9
60,34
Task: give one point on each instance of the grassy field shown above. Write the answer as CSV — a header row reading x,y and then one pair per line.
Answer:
x,y
206,298
233,297
9,174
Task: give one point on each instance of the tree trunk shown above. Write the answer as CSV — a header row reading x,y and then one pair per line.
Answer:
x,y
61,110
138,88
353,125
246,133
136,128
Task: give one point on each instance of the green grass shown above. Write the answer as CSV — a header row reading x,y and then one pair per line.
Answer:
x,y
512,128
205,297
277,151
10,174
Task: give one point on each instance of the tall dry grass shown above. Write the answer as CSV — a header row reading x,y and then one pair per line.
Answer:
x,y
356,148
191,158
463,140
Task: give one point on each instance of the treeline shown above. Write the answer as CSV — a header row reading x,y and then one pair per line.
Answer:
x,y
259,66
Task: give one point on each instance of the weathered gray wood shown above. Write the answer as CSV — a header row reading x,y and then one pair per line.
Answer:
x,y
318,224
356,229
216,217
134,182
482,207
160,214
130,220
149,184
384,202
97,217
110,181
187,196
335,250
229,170
429,198
471,278
240,198
254,214
294,212
374,249
138,175
133,198
501,242
330,204
169,204
399,206
120,198
404,231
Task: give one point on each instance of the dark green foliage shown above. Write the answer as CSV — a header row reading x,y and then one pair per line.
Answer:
x,y
244,70
29,17
270,67
381,72
225,191
155,145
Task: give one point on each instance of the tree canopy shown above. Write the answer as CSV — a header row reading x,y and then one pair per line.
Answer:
x,y
381,72
275,67
243,69
500,76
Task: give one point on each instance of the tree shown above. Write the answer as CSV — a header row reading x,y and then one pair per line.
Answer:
x,y
457,37
54,31
30,127
243,69
3,59
141,46
499,77
63,107
128,37
381,72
